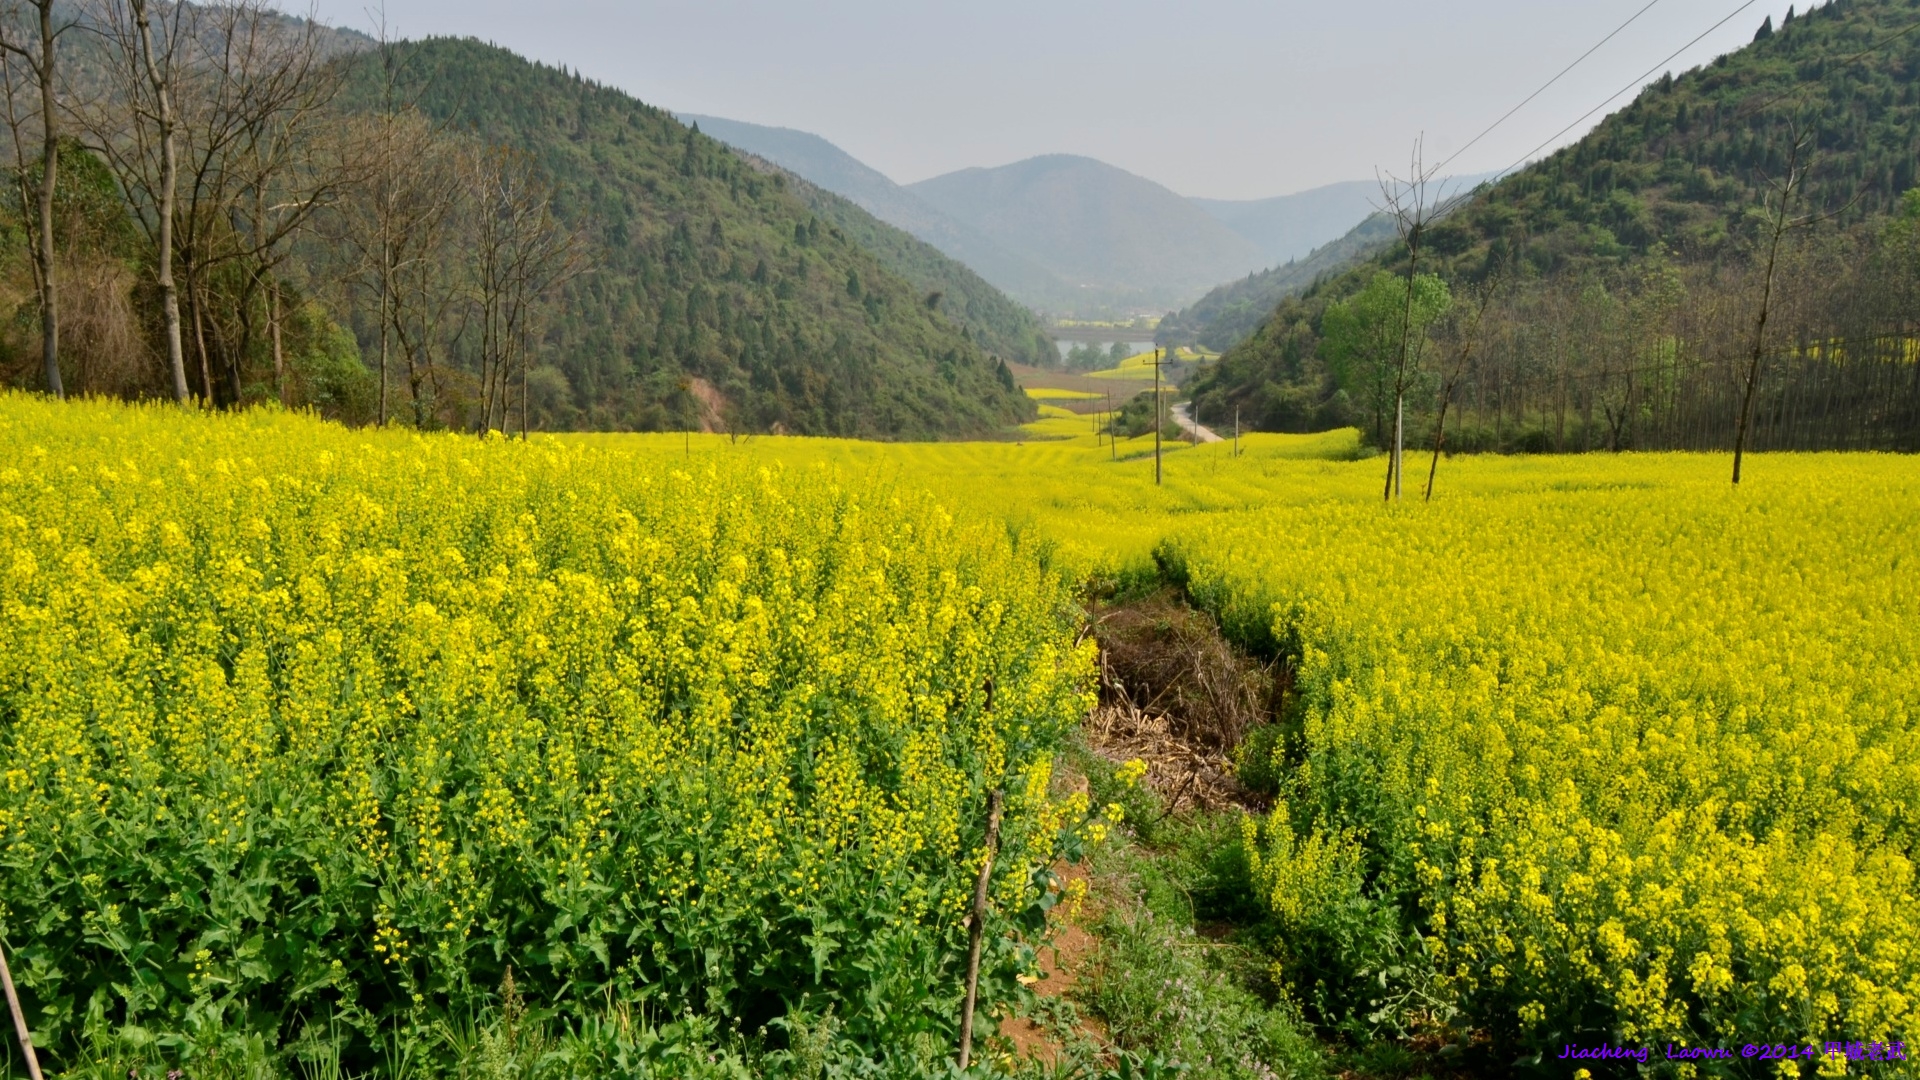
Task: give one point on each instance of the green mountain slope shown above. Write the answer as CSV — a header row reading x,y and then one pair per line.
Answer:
x,y
997,324
1675,179
1123,241
708,269
820,162
1232,312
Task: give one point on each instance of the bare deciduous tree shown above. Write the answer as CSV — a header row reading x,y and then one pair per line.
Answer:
x,y
216,121
521,255
262,161
1405,198
1465,333
420,199
134,127
38,50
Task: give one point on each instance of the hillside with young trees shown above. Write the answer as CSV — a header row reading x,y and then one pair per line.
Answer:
x,y
997,323
443,234
1612,294
713,278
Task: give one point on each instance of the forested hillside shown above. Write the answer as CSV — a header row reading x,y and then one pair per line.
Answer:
x,y
707,269
1623,273
444,234
996,323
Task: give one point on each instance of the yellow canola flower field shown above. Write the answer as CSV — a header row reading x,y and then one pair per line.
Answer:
x,y
1631,751
1055,393
304,723
1090,509
1637,748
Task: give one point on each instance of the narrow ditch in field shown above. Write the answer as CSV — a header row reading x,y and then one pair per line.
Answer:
x,y
1171,933
1150,939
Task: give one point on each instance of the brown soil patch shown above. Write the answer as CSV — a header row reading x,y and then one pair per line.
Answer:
x,y
1175,695
1042,378
713,404
1068,951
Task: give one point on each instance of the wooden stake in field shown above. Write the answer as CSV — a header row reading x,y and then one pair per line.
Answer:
x,y
975,930
20,1017
1113,437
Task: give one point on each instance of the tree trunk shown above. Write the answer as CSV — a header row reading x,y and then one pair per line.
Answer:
x,y
279,350
1760,322
383,343
49,176
1399,441
233,359
200,342
169,179
1439,438
1156,417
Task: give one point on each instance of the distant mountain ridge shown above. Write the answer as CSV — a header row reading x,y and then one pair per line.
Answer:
x,y
996,322
1071,235
1288,227
821,163
1123,241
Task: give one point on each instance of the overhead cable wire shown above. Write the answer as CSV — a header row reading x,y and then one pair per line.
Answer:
x,y
1635,84
1549,83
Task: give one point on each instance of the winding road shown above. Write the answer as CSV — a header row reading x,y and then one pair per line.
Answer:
x,y
1183,415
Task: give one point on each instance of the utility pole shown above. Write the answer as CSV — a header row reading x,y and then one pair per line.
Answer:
x,y
1156,417
1113,437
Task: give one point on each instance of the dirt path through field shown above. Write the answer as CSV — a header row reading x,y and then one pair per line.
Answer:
x,y
1183,415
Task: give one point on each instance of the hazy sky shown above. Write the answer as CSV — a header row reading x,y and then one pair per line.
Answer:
x,y
1222,98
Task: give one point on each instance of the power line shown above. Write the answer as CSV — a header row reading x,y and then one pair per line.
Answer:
x,y
1543,89
1635,84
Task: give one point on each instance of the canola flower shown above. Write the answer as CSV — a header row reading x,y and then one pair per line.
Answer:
x,y
300,722
1632,751
1637,751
